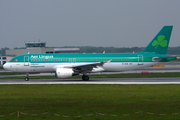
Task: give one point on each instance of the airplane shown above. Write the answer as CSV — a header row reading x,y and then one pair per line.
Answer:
x,y
68,65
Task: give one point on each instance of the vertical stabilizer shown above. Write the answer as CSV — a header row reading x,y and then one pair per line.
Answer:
x,y
160,42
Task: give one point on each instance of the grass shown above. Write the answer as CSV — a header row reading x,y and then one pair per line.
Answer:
x,y
1,68
123,75
74,100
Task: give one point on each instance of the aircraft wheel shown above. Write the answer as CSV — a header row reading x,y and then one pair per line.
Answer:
x,y
85,78
26,79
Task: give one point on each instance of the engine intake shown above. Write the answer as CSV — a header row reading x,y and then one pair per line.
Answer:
x,y
64,73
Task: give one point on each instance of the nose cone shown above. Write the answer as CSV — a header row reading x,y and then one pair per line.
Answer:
x,y
6,66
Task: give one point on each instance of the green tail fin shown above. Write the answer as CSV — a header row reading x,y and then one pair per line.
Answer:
x,y
160,42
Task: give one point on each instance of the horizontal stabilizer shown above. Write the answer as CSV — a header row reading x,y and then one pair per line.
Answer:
x,y
161,58
178,58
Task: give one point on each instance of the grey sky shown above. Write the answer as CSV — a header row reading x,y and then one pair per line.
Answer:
x,y
118,23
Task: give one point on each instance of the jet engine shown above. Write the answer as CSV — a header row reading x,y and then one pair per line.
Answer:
x,y
64,72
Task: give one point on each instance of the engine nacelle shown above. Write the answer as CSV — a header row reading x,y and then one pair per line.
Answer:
x,y
64,72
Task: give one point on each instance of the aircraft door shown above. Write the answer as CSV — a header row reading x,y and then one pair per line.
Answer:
x,y
140,59
26,60
72,60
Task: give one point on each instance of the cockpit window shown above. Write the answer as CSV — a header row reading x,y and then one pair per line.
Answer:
x,y
11,60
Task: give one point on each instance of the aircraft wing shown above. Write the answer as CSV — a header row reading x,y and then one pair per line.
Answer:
x,y
90,67
84,68
87,65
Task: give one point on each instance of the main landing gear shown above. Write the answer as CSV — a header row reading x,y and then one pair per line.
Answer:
x,y
27,77
85,77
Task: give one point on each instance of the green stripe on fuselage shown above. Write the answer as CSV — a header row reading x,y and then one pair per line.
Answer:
x,y
89,57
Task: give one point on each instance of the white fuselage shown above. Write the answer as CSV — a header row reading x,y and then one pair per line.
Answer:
x,y
51,67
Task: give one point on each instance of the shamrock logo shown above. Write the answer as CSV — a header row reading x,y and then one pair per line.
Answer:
x,y
161,41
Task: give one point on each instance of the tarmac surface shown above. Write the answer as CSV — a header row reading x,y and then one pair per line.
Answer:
x,y
96,81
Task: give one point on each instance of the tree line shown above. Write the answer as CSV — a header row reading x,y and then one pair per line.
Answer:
x,y
91,49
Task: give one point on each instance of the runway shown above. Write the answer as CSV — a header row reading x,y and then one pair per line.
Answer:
x,y
170,67
96,81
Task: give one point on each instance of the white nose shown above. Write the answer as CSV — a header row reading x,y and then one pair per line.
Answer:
x,y
6,66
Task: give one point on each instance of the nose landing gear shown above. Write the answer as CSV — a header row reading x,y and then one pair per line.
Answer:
x,y
27,77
